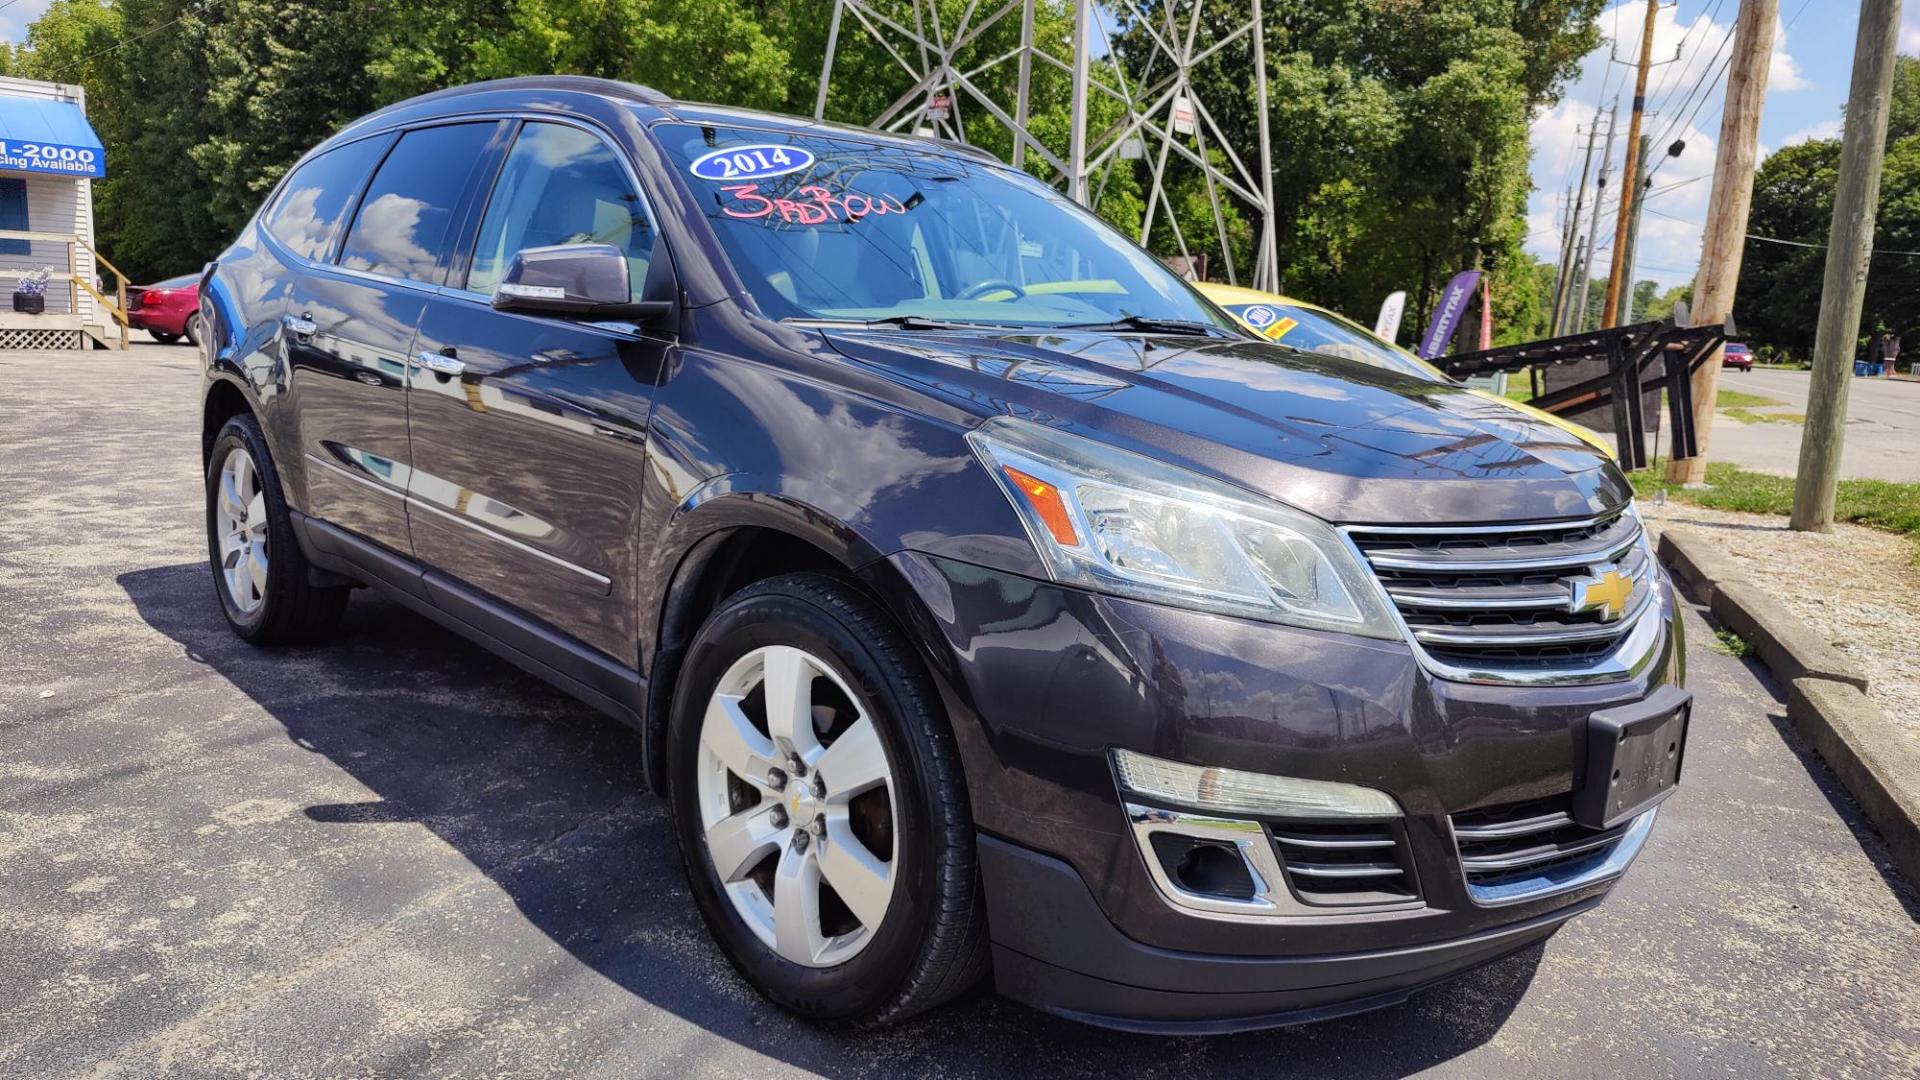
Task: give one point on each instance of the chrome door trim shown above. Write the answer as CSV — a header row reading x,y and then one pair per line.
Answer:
x,y
602,581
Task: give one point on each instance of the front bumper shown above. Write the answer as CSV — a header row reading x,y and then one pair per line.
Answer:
x,y
1042,682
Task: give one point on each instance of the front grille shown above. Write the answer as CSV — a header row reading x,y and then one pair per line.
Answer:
x,y
1345,864
1500,596
1510,850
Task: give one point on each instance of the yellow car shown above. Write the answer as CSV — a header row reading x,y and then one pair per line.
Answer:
x,y
1315,329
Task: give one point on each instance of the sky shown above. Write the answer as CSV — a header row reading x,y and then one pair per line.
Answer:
x,y
1806,87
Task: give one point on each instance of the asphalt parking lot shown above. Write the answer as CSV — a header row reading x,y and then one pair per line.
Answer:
x,y
396,856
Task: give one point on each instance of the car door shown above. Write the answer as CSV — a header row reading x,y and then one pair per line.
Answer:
x,y
349,324
528,431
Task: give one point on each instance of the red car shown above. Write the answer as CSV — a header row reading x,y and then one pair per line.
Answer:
x,y
169,310
1736,356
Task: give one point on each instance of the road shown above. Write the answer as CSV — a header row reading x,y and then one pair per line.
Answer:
x,y
1882,434
393,855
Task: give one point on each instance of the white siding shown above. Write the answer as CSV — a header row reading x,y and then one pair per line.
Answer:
x,y
55,204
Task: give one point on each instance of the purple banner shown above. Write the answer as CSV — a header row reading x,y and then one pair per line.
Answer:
x,y
1446,316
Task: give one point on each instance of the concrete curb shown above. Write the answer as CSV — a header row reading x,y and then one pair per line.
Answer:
x,y
1695,563
1878,764
1875,761
1789,648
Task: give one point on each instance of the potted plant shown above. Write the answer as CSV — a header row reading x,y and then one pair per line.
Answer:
x,y
30,297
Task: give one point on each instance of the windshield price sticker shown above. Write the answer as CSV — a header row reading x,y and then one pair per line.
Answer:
x,y
814,206
26,156
750,162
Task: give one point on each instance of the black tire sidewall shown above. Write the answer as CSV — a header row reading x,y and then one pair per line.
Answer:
x,y
243,433
868,982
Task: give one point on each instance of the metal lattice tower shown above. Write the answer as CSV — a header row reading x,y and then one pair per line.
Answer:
x,y
1178,41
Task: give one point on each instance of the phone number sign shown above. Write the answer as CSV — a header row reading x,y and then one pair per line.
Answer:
x,y
20,155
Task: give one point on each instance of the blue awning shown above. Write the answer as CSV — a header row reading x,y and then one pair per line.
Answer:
x,y
41,136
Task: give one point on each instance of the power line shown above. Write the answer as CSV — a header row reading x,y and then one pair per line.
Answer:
x,y
1805,244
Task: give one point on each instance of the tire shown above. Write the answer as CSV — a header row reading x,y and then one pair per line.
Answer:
x,y
280,605
927,943
163,338
193,329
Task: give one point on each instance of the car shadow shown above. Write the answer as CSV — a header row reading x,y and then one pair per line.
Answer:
x,y
546,798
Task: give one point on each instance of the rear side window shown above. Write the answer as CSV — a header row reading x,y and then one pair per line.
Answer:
x,y
401,229
560,185
308,216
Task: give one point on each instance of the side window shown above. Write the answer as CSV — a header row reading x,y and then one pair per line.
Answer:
x,y
308,215
404,216
560,185
13,215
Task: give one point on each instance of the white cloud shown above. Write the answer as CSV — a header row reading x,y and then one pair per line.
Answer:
x,y
1825,129
17,15
1669,246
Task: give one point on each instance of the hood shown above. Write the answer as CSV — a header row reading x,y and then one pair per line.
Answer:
x,y
1344,441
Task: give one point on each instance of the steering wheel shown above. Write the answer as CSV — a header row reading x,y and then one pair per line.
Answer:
x,y
979,289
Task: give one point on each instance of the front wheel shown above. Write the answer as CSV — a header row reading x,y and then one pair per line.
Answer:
x,y
821,808
162,337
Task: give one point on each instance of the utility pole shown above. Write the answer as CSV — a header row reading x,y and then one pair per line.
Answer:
x,y
1573,227
1627,176
1563,276
1863,148
1579,324
1624,311
1725,239
1077,110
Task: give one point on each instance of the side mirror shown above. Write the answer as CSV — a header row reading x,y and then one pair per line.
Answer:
x,y
589,281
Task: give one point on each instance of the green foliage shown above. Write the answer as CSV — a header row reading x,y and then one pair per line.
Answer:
x,y
1399,129
1883,504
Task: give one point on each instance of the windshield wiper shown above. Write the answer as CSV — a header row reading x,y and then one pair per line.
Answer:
x,y
1149,324
907,322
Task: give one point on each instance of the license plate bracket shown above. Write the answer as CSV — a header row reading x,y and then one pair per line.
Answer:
x,y
1634,754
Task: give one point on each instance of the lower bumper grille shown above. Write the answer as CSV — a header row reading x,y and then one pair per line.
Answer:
x,y
1345,865
1523,850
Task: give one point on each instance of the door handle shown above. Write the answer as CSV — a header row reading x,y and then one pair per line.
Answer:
x,y
300,326
440,363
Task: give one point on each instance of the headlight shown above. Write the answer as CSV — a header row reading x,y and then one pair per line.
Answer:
x,y
1116,522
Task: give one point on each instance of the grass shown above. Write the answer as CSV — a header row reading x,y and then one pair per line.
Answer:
x,y
1882,504
1748,416
1731,644
1740,399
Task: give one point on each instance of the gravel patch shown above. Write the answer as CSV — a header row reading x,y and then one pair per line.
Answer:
x,y
1857,587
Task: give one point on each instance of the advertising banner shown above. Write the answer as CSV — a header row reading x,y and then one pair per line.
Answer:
x,y
1446,314
1388,324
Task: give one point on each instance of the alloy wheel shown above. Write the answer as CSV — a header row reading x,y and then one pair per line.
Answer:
x,y
796,806
241,517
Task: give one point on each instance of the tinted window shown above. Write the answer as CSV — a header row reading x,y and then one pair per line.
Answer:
x,y
560,185
307,217
403,219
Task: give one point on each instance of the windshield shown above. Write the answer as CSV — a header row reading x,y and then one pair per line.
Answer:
x,y
833,227
1313,330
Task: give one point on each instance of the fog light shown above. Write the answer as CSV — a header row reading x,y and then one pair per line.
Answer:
x,y
1211,788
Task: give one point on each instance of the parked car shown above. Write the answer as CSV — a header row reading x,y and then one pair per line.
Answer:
x,y
1311,328
985,599
1736,355
169,310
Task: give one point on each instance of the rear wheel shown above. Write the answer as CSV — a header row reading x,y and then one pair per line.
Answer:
x,y
259,572
821,808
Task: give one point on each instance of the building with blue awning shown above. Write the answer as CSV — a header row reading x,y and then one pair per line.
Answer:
x,y
49,159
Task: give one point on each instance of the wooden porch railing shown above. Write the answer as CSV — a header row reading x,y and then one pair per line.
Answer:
x,y
118,311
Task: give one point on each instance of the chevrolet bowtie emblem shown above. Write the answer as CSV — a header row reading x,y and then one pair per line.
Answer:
x,y
1606,592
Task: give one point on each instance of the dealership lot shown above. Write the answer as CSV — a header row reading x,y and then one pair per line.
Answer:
x,y
395,855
